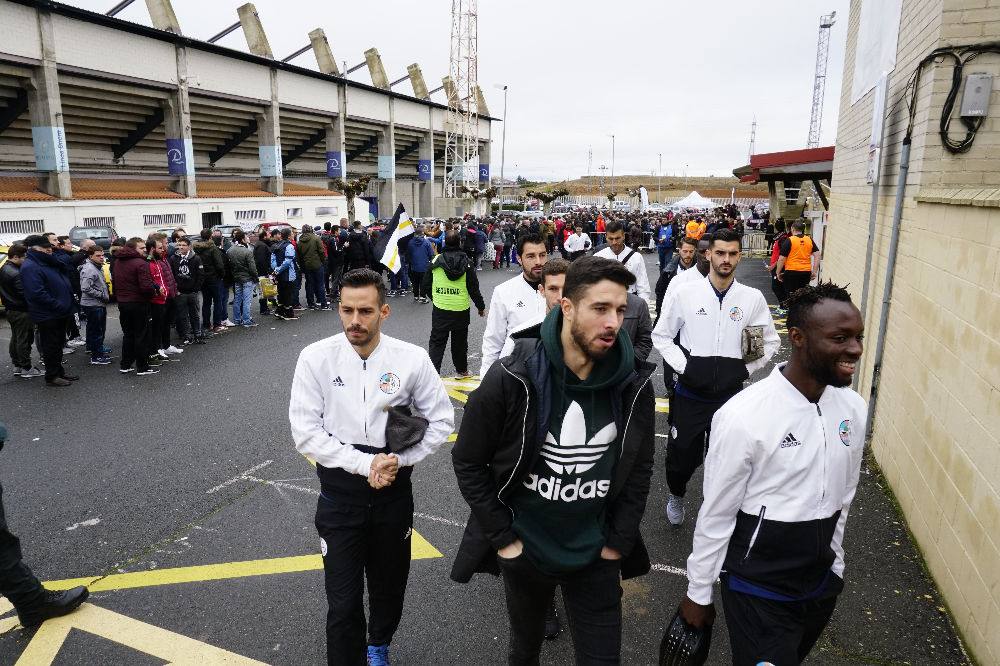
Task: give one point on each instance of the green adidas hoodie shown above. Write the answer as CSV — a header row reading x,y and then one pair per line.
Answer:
x,y
559,509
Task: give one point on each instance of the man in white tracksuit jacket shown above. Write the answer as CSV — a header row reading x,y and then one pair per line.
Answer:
x,y
710,315
780,475
341,390
631,257
515,302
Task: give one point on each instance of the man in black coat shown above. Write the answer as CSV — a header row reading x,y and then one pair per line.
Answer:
x,y
554,458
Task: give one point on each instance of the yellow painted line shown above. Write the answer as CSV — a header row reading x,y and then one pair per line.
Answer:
x,y
663,405
457,395
420,549
156,641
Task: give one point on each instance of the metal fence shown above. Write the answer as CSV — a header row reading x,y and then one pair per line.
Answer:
x,y
754,243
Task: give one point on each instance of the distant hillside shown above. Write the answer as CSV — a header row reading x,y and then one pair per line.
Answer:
x,y
672,186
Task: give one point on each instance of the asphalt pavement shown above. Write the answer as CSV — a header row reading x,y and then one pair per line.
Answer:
x,y
181,500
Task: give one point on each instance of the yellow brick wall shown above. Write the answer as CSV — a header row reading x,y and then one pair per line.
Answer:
x,y
937,419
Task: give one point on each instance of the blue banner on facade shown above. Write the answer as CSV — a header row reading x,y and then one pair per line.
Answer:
x,y
334,164
425,170
270,161
50,148
180,157
484,173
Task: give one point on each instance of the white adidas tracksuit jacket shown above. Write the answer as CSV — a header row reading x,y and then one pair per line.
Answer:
x,y
513,304
636,265
709,358
339,399
780,476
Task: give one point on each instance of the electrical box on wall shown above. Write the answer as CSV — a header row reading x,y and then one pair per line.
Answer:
x,y
976,98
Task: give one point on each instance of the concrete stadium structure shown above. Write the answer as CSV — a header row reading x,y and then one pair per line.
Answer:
x,y
104,121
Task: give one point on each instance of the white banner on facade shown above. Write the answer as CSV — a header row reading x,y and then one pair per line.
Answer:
x,y
875,51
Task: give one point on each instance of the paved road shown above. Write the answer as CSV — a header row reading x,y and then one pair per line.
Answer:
x,y
181,500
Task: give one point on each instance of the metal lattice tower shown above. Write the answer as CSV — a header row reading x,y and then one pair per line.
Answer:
x,y
819,82
590,159
461,155
753,139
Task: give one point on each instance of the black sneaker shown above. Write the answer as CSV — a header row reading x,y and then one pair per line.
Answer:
x,y
54,604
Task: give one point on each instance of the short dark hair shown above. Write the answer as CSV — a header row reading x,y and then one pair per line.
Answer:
x,y
286,233
239,235
364,277
92,250
205,234
62,239
557,266
798,224
451,239
534,239
779,225
687,240
724,235
327,226
801,301
275,232
184,239
17,250
135,242
587,271
613,227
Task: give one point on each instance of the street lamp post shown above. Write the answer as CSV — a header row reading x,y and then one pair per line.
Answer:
x,y
503,144
613,162
686,175
659,180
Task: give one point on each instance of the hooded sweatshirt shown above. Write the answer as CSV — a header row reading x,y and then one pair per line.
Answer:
x,y
445,282
559,508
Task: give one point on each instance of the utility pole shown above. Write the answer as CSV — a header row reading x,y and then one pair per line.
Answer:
x,y
819,81
613,163
600,182
503,147
686,175
659,180
590,159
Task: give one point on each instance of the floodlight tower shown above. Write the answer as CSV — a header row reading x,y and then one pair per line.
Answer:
x,y
819,82
461,154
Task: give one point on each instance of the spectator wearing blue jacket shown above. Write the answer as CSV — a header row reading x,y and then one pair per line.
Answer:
x,y
419,254
664,242
283,273
49,295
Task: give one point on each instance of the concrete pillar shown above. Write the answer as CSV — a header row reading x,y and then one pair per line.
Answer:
x,y
425,174
417,81
336,141
45,107
481,102
161,13
269,143
375,69
177,124
387,167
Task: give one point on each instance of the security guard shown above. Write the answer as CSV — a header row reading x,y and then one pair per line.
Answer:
x,y
34,604
798,259
341,393
452,283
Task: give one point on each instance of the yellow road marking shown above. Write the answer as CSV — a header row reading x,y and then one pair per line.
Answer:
x,y
156,641
663,405
420,549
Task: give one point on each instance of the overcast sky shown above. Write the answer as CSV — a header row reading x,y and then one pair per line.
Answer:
x,y
680,78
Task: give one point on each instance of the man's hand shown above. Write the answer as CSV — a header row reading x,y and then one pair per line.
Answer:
x,y
812,276
511,550
696,615
780,277
610,554
383,470
482,313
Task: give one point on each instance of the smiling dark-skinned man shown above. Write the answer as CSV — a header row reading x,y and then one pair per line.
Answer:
x,y
781,472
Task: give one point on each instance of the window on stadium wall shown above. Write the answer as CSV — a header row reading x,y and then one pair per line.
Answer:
x,y
164,220
25,227
327,211
98,222
293,213
251,215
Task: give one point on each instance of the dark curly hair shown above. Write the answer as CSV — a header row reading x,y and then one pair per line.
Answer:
x,y
801,301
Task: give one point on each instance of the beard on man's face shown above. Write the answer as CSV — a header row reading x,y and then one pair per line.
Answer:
x,y
590,346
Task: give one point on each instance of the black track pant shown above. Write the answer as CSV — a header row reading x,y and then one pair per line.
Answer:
x,y
593,606
367,541
795,280
17,583
456,324
687,443
135,322
773,632
778,288
52,339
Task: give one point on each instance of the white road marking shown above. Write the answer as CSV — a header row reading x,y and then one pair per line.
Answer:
x,y
666,568
85,523
439,519
238,477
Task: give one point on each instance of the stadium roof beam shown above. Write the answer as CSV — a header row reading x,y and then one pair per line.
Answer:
x,y
363,148
409,150
161,13
304,147
130,140
14,109
248,131
295,55
219,35
253,30
118,8
417,80
324,54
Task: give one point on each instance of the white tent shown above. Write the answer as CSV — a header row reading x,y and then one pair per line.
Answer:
x,y
694,200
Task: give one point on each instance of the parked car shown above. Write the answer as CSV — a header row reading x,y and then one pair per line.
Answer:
x,y
268,227
226,229
103,236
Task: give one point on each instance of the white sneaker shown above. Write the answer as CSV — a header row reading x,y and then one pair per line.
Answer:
x,y
162,353
227,324
675,509
76,342
68,350
28,373
173,350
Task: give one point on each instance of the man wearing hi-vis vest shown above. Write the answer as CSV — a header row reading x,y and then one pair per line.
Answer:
x,y
452,284
798,260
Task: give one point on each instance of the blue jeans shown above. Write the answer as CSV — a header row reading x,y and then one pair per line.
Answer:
x,y
315,287
400,281
242,298
97,318
221,305
666,254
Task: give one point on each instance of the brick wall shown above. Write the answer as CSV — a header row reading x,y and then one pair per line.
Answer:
x,y
938,414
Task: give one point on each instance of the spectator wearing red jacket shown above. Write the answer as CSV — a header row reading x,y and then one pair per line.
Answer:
x,y
134,288
163,308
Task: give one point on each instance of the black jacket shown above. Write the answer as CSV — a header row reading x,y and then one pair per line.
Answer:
x,y
11,289
358,252
262,257
213,263
188,274
502,431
